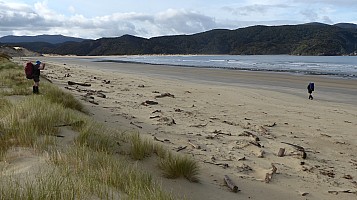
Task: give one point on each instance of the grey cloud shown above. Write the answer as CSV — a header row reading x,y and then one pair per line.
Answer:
x,y
310,14
183,22
327,20
342,3
253,9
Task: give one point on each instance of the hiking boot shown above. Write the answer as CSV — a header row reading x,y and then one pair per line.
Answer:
x,y
36,90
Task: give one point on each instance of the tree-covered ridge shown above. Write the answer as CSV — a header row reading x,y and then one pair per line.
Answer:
x,y
306,39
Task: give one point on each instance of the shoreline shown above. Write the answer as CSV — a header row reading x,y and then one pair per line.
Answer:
x,y
330,88
215,110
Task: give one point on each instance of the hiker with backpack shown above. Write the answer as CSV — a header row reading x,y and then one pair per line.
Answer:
x,y
310,89
33,71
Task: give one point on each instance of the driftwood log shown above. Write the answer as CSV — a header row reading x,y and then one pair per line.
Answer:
x,y
230,184
281,152
194,145
224,165
165,95
250,134
149,102
299,148
180,148
45,77
136,125
269,175
77,83
77,123
157,139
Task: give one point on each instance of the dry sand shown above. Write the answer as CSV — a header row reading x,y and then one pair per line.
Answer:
x,y
212,113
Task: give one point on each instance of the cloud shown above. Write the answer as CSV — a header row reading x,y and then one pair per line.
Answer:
x,y
183,21
254,9
40,18
21,19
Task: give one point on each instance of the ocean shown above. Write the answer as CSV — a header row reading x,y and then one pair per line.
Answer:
x,y
338,66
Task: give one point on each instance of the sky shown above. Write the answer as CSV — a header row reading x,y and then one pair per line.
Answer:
x,y
93,19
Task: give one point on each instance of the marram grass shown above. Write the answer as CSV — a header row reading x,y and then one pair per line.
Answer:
x,y
91,168
140,147
175,166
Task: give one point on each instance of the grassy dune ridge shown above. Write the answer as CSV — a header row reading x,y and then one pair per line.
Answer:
x,y
99,163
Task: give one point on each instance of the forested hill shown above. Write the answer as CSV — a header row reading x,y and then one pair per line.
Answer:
x,y
305,39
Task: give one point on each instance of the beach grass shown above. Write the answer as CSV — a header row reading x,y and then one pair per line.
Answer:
x,y
176,165
56,95
140,147
90,168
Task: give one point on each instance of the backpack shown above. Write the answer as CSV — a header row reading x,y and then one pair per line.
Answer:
x,y
312,86
29,70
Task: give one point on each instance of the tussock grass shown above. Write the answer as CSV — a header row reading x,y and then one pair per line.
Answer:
x,y
43,187
97,137
92,167
140,147
95,168
35,116
56,95
175,166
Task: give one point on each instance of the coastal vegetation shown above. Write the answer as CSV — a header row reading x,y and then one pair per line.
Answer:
x,y
96,162
305,39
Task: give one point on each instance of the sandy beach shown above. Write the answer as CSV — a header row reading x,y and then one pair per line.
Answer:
x,y
233,122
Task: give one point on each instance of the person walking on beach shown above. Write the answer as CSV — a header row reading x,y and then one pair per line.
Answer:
x,y
35,74
310,89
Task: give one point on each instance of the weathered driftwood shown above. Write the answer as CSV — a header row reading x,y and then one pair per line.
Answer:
x,y
157,139
199,125
92,101
180,148
165,95
153,117
77,83
45,77
260,154
250,134
149,102
269,175
281,152
219,132
101,95
230,184
255,143
76,123
194,145
343,191
136,125
224,165
299,148
271,125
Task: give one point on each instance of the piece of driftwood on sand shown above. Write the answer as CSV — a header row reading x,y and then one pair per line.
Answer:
x,y
281,152
299,148
230,184
136,125
194,145
78,83
165,95
269,175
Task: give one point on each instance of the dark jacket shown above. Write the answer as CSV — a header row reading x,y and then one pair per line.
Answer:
x,y
36,70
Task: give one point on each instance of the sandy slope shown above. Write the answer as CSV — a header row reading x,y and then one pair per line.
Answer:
x,y
216,113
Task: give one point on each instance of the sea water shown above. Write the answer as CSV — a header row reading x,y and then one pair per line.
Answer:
x,y
345,66
339,66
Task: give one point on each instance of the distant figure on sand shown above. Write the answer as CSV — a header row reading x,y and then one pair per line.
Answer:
x,y
310,89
